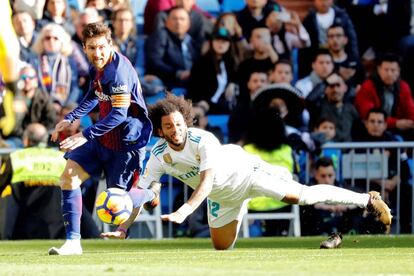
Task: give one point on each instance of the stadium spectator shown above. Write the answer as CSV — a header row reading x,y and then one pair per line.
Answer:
x,y
240,46
241,115
350,68
24,25
386,90
263,59
212,77
322,67
325,132
376,131
34,8
57,12
171,52
254,15
34,176
322,218
31,104
127,41
99,147
105,12
228,176
152,8
56,69
200,25
282,72
333,106
317,23
372,19
287,32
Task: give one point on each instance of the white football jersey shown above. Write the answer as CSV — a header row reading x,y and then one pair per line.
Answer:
x,y
230,163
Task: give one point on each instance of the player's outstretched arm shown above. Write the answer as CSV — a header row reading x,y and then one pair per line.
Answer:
x,y
121,231
197,197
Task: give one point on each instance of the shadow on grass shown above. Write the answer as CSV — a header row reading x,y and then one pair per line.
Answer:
x,y
275,243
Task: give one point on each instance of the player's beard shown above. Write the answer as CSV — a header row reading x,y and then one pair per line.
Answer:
x,y
179,144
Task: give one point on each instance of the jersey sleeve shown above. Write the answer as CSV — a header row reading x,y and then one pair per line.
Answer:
x,y
152,172
87,104
120,94
209,151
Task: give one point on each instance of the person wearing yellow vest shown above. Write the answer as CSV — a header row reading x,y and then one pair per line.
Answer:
x,y
266,138
32,209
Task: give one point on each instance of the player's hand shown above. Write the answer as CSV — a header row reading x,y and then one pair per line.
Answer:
x,y
114,235
73,142
175,217
61,126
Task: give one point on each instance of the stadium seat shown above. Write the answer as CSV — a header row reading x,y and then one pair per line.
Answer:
x,y
138,7
212,7
354,166
232,5
220,121
293,217
153,99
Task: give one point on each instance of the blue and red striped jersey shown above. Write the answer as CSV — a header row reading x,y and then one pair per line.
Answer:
x,y
123,117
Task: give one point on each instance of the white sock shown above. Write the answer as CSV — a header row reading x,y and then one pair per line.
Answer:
x,y
323,193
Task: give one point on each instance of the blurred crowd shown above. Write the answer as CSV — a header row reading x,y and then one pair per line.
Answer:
x,y
338,72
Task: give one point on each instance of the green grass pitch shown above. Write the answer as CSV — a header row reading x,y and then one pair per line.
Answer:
x,y
359,255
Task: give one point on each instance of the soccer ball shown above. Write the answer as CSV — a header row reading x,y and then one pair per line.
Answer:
x,y
113,206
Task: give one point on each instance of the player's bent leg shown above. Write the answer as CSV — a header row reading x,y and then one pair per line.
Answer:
x,y
70,181
224,237
73,176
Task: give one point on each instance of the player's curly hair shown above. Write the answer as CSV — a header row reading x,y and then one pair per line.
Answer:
x,y
169,105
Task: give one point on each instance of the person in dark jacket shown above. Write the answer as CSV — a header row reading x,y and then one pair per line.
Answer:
x,y
171,52
212,76
317,22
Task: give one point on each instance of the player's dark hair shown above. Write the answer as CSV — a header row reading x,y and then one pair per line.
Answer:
x,y
96,30
169,105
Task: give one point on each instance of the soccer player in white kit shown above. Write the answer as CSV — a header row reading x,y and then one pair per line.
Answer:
x,y
228,176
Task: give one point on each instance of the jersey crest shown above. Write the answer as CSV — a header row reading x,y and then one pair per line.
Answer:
x,y
167,158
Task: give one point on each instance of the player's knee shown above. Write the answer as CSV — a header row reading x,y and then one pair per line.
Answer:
x,y
223,245
67,182
291,199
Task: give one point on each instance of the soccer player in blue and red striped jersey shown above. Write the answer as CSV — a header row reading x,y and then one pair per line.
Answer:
x,y
115,143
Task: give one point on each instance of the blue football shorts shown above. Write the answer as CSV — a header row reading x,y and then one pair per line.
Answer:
x,y
120,167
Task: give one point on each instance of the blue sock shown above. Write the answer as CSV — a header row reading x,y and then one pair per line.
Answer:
x,y
140,196
72,211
